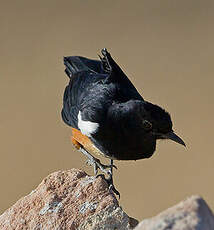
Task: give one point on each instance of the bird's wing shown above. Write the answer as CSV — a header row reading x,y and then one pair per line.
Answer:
x,y
77,64
126,89
93,87
83,74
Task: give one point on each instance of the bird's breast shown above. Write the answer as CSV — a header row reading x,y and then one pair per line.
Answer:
x,y
123,144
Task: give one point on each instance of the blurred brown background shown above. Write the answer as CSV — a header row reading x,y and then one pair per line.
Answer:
x,y
165,47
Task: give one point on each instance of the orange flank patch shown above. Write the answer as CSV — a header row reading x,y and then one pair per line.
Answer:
x,y
80,140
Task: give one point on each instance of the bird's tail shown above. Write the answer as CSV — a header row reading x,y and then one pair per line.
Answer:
x,y
76,64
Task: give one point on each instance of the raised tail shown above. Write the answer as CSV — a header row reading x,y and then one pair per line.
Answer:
x,y
76,64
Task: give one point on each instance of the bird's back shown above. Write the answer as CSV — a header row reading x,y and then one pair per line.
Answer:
x,y
92,86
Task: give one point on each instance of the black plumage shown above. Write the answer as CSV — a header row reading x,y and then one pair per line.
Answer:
x,y
128,125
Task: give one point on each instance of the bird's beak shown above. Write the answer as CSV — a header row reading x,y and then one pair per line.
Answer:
x,y
172,136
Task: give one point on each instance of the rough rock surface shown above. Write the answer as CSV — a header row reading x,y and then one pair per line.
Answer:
x,y
70,200
191,214
67,200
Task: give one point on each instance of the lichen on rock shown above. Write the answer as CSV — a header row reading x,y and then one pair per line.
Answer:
x,y
66,200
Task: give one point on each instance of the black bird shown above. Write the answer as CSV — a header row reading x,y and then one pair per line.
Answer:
x,y
107,114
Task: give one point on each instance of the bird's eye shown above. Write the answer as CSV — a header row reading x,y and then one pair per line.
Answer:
x,y
147,125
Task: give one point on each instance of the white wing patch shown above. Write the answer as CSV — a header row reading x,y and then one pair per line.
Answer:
x,y
87,127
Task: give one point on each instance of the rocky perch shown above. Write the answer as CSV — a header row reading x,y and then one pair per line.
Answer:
x,y
69,200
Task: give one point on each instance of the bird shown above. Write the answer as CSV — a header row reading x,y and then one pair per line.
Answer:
x,y
108,116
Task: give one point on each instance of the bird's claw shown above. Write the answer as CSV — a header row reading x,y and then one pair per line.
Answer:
x,y
106,169
112,187
114,190
98,165
110,184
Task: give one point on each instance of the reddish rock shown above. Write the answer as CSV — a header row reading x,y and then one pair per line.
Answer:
x,y
67,200
191,214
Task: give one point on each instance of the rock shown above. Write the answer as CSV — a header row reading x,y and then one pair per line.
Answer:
x,y
68,200
191,214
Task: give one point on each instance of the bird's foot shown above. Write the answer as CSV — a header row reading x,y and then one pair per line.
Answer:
x,y
112,187
110,184
98,165
107,169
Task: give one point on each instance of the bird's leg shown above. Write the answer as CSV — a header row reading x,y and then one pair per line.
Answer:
x,y
107,169
110,180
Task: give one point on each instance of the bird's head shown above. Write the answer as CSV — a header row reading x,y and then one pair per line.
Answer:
x,y
157,122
